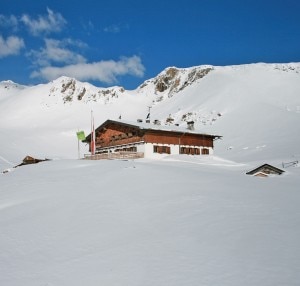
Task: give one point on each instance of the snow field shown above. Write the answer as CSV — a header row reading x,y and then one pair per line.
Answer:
x,y
71,222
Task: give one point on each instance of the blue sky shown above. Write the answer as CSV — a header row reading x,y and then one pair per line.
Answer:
x,y
119,42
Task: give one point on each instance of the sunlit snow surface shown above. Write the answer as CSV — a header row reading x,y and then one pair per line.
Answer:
x,y
181,220
168,222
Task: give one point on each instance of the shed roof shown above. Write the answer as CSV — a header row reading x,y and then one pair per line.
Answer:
x,y
266,167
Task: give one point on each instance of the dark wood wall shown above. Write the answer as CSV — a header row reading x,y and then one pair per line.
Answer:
x,y
114,134
163,137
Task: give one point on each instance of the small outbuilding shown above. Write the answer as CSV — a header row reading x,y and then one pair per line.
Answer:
x,y
265,170
30,160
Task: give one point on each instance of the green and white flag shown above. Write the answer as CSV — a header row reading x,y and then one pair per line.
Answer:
x,y
80,135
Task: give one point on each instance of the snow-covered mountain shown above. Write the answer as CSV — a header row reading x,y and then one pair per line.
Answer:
x,y
181,220
256,108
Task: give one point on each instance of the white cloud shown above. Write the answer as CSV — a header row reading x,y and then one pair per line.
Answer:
x,y
88,27
10,46
112,29
116,28
58,52
104,71
53,22
75,43
9,21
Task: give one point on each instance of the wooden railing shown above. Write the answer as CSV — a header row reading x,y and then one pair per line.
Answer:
x,y
115,155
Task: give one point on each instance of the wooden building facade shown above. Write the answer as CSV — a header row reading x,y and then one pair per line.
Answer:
x,y
150,140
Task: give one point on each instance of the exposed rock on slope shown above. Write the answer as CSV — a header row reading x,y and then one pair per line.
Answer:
x,y
238,102
72,90
173,80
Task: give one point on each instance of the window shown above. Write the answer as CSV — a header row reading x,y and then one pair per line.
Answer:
x,y
189,151
131,149
205,151
161,149
127,149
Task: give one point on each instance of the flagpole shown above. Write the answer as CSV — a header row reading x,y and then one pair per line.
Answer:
x,y
92,132
93,141
94,136
78,146
80,137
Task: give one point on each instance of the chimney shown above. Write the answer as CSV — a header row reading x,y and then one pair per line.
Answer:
x,y
190,125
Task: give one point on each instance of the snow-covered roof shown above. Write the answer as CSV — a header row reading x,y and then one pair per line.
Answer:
x,y
266,169
155,127
162,127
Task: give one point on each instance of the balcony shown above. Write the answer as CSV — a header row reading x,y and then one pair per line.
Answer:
x,y
123,155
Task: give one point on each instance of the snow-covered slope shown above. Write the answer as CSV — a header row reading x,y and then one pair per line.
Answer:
x,y
172,222
42,120
256,108
182,220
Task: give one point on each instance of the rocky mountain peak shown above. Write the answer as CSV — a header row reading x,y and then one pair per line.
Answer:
x,y
73,90
9,84
173,80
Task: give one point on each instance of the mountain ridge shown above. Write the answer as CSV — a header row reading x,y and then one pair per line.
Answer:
x,y
193,73
249,105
